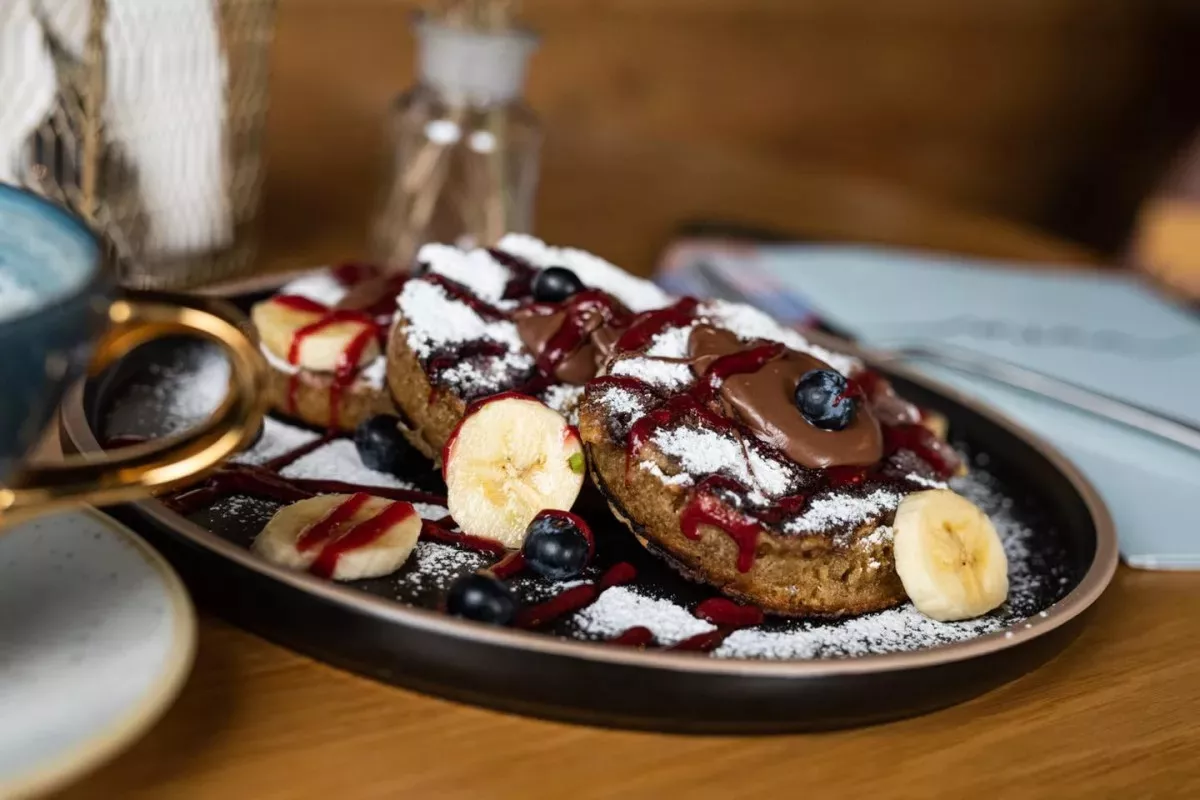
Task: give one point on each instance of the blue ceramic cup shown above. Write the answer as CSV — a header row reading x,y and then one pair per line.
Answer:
x,y
59,318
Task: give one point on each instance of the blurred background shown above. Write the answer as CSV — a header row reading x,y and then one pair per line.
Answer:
x,y
1044,130
1058,114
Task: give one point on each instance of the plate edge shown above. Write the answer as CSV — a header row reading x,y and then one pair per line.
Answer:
x,y
70,766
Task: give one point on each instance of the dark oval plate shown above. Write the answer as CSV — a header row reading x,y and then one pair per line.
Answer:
x,y
389,628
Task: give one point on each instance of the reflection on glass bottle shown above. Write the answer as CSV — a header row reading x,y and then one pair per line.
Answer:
x,y
464,145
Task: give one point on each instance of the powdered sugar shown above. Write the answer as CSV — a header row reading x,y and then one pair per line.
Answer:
x,y
622,403
679,479
564,398
636,293
319,286
485,376
375,373
661,374
843,511
184,394
895,630
620,608
277,438
433,321
339,461
475,269
434,566
881,535
671,343
701,451
928,483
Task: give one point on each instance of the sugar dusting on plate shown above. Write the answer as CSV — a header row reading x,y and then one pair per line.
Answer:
x,y
621,608
339,461
434,566
277,438
178,395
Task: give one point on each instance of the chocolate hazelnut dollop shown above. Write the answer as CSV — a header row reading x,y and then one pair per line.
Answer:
x,y
764,401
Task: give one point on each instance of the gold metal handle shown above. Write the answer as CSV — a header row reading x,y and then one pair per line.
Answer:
x,y
136,471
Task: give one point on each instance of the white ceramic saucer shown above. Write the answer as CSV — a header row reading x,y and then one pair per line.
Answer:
x,y
97,636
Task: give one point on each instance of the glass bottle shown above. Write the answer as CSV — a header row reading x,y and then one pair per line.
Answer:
x,y
464,146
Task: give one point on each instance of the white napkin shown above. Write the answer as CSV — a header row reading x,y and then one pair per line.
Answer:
x,y
164,108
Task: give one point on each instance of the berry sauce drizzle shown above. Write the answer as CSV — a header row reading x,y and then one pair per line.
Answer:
x,y
440,532
706,508
374,316
583,313
727,615
651,323
320,532
634,637
575,598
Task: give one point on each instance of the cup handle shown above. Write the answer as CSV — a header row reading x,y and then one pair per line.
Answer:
x,y
136,471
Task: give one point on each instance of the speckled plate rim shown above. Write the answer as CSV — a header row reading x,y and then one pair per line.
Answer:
x,y
71,765
1078,600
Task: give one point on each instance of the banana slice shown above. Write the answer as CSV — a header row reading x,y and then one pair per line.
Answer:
x,y
510,458
322,347
341,536
948,556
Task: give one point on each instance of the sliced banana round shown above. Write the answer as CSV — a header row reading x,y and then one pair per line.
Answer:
x,y
949,556
323,346
355,536
510,458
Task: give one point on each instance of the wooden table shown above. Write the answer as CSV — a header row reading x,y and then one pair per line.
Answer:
x,y
1113,716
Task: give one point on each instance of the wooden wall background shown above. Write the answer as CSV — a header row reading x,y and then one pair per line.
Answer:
x,y
1056,112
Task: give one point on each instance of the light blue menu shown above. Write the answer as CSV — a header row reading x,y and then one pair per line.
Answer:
x,y
1106,331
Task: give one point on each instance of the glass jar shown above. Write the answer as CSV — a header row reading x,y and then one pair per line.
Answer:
x,y
464,146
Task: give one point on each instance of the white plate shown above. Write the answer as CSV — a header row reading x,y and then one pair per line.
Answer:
x,y
97,636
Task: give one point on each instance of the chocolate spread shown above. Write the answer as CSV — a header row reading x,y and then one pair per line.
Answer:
x,y
764,401
536,328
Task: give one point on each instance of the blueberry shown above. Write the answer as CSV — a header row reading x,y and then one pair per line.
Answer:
x,y
482,598
383,448
822,396
557,545
555,284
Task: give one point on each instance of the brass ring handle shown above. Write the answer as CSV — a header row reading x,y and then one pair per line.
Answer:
x,y
135,471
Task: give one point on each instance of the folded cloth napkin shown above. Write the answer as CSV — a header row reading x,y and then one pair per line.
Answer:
x,y
1104,331
164,109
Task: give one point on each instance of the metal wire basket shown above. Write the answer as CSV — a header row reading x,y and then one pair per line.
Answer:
x,y
155,134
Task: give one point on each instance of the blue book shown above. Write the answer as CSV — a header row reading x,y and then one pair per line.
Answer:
x,y
1106,331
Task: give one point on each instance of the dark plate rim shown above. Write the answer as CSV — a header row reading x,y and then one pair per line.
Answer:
x,y
1078,600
